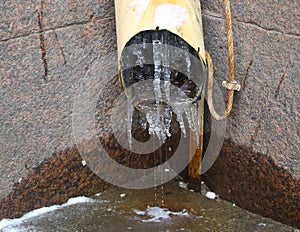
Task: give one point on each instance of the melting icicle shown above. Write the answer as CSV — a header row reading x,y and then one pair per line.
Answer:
x,y
144,43
156,126
130,110
167,120
167,117
195,126
159,113
188,64
140,58
157,70
157,59
179,113
188,67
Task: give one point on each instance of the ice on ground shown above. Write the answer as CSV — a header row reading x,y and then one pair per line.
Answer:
x,y
11,225
157,214
183,185
210,195
83,163
262,224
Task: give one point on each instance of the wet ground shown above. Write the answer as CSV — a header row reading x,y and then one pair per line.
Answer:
x,y
177,209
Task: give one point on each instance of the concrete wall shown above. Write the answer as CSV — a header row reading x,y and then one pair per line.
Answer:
x,y
47,46
258,167
266,111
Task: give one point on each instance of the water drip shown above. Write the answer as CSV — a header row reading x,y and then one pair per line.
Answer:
x,y
172,91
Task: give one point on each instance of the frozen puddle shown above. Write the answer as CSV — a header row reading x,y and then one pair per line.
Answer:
x,y
157,214
13,225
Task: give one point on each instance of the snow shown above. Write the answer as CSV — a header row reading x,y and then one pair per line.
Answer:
x,y
166,15
83,163
210,195
262,224
170,15
157,214
12,225
183,185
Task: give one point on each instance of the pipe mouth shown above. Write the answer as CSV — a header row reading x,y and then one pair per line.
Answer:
x,y
166,58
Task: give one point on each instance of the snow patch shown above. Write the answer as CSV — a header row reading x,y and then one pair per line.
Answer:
x,y
83,163
157,214
11,225
170,15
210,195
183,185
262,224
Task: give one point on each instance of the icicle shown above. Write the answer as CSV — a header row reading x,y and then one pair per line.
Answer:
x,y
157,70
195,120
156,126
130,110
167,120
179,113
140,58
144,43
188,64
159,115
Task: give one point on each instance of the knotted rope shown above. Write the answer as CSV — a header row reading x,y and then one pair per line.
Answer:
x,y
232,85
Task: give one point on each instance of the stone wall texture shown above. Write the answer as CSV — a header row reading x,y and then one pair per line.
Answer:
x,y
46,47
258,167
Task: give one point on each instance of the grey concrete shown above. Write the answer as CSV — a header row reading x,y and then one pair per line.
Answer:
x,y
111,212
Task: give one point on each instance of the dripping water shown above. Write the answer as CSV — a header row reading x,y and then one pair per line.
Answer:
x,y
156,127
159,112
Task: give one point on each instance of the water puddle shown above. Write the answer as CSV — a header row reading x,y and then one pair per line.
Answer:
x,y
121,209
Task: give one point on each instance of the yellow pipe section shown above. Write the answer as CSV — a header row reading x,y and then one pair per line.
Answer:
x,y
181,17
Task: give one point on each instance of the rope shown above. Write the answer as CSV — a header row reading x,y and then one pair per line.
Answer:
x,y
232,85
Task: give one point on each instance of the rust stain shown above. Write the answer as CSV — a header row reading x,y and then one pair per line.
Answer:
x,y
280,82
256,131
247,74
60,47
42,40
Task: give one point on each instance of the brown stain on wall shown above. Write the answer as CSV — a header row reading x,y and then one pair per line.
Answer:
x,y
54,181
63,175
255,182
42,40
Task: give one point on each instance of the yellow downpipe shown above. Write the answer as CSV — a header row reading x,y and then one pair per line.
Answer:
x,y
134,16
181,17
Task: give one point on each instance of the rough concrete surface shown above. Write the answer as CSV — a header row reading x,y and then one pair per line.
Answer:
x,y
266,111
37,91
263,130
47,46
115,210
